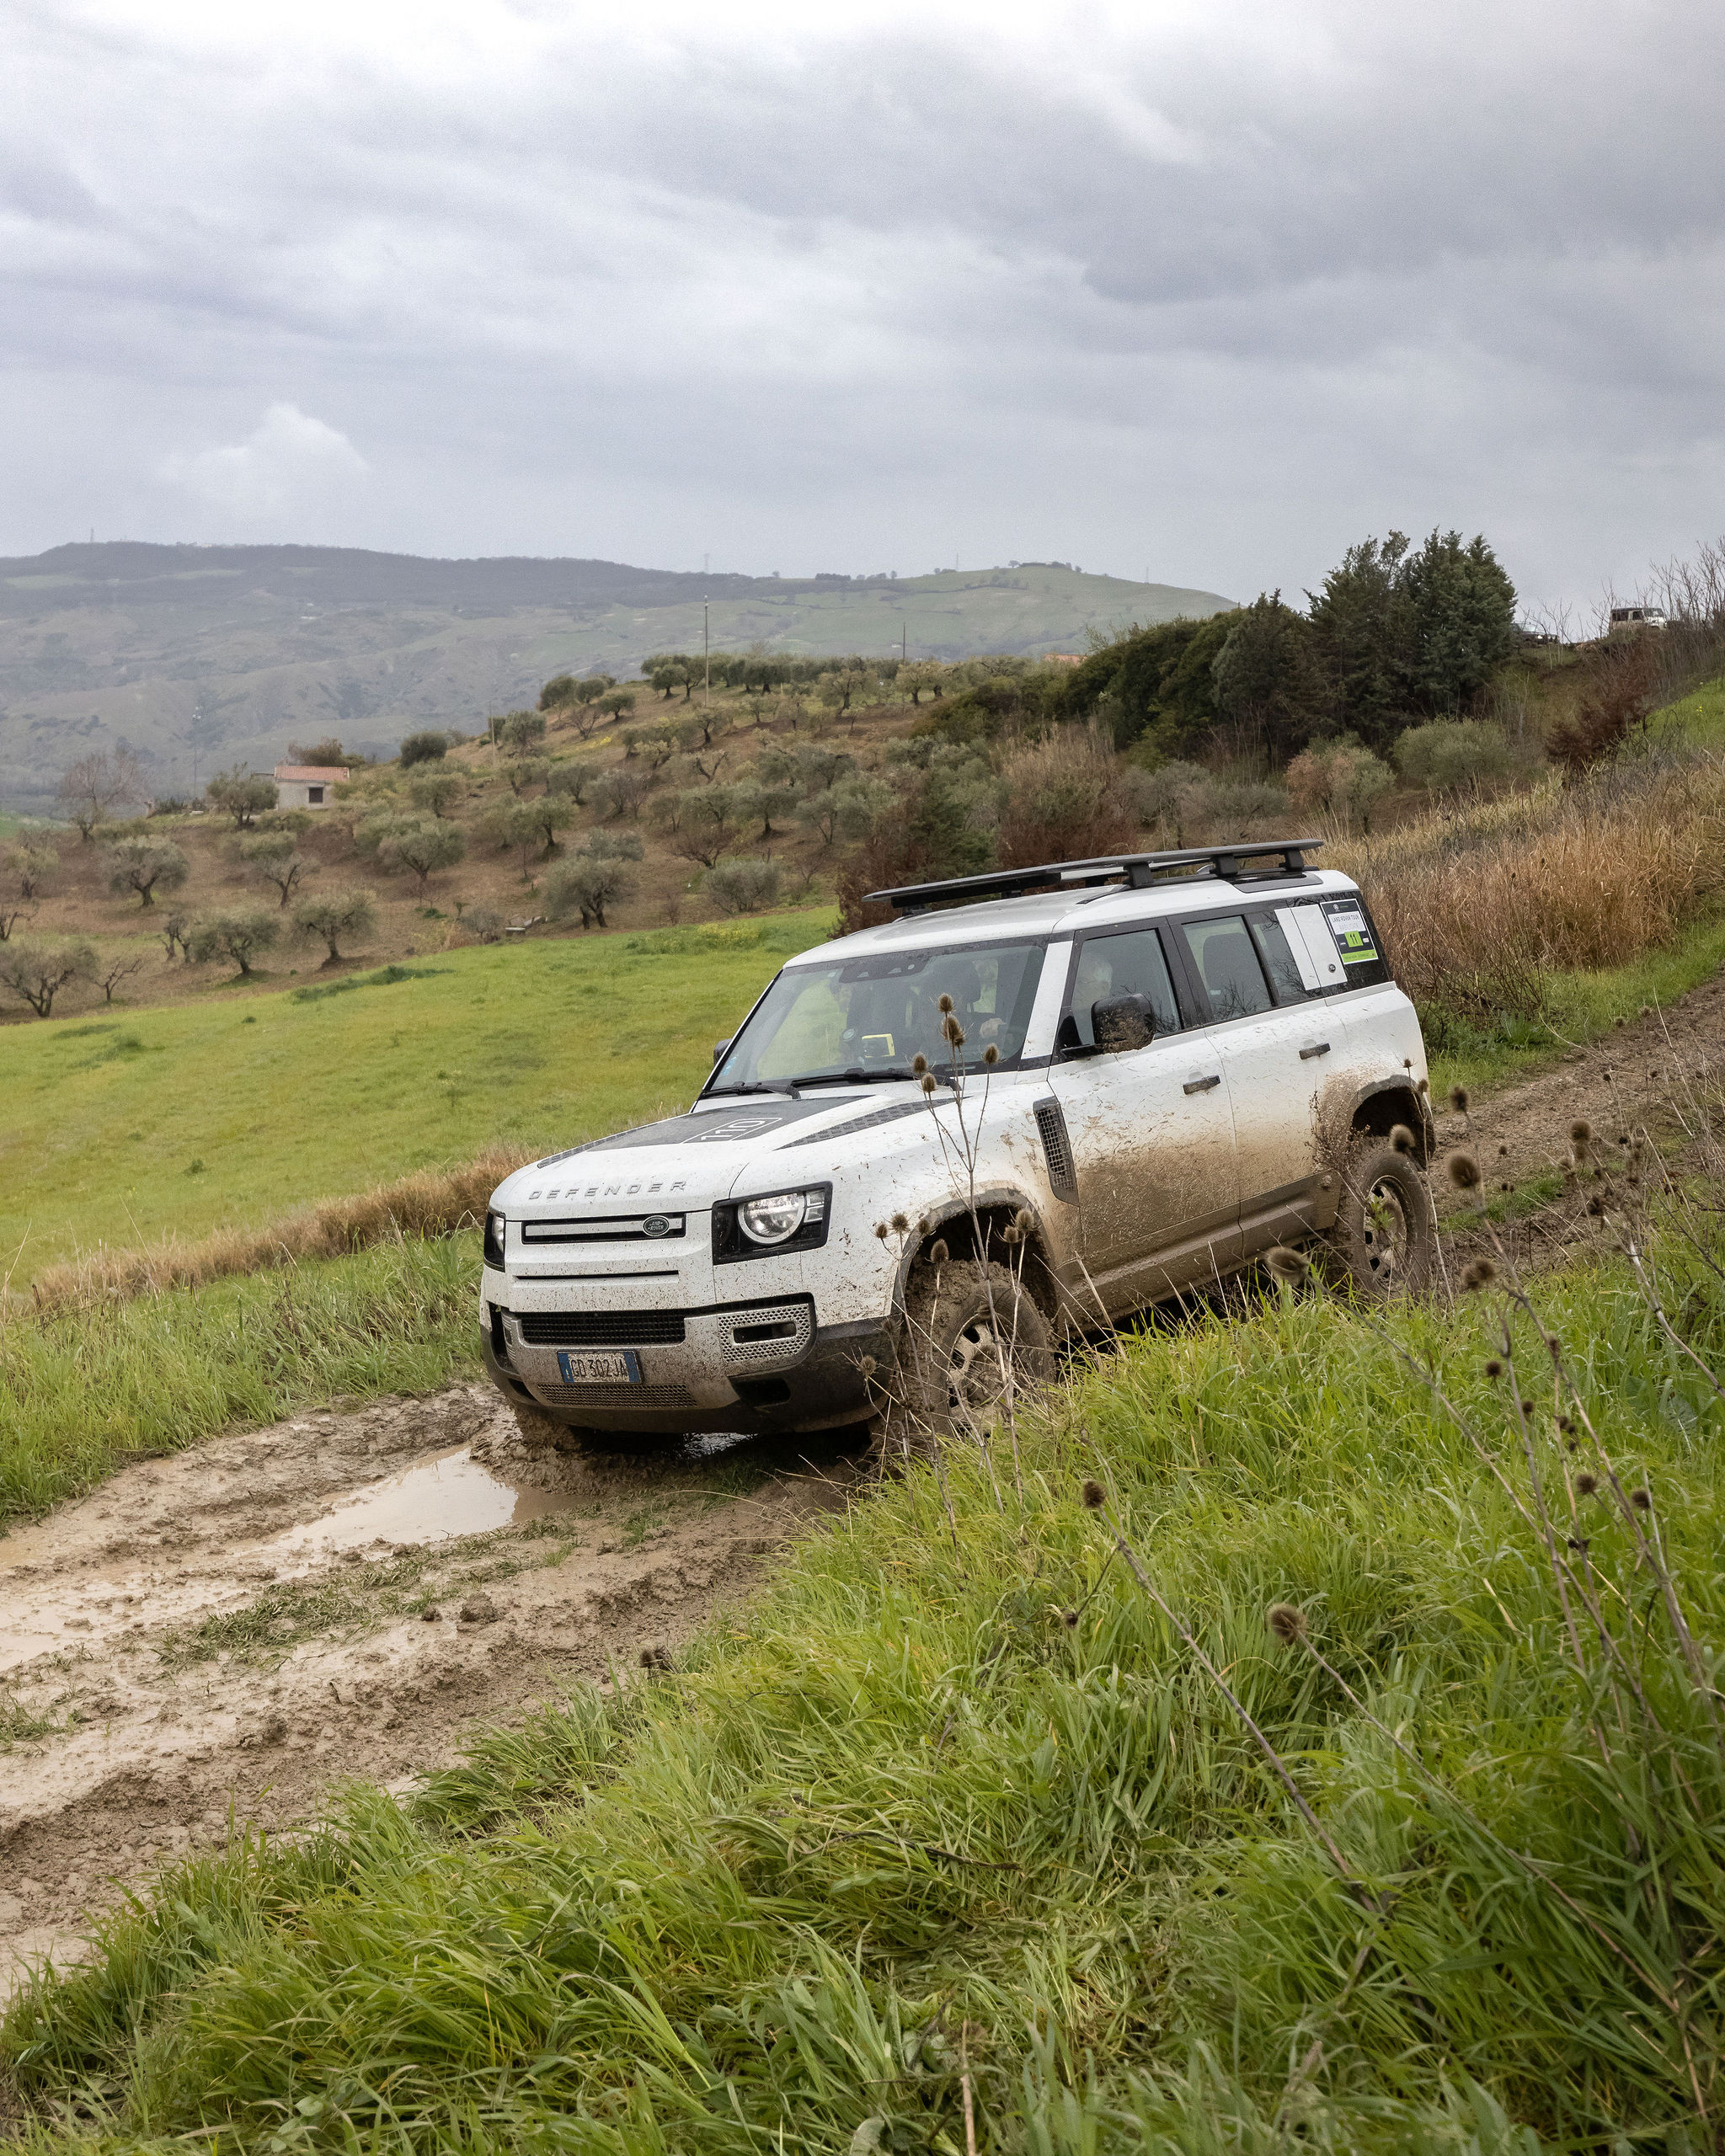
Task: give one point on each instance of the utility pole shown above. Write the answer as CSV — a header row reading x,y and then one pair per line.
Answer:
x,y
706,655
904,640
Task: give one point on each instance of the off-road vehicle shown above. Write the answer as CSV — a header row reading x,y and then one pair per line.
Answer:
x,y
1029,1104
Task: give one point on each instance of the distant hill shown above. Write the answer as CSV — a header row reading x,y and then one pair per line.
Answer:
x,y
200,657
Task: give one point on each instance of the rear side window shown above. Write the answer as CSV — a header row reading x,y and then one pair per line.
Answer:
x,y
1363,964
1132,965
1227,963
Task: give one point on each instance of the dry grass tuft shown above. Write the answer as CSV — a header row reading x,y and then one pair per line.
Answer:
x,y
1479,905
431,1202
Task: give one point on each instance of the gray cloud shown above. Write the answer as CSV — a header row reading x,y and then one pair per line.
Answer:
x,y
1208,291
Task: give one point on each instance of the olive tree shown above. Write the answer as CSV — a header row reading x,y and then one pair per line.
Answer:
x,y
36,973
239,934
338,917
423,749
437,790
272,858
422,844
743,886
512,827
144,866
30,866
593,877
113,968
243,795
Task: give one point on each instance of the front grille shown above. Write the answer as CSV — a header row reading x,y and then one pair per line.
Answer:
x,y
1057,1149
601,1328
631,1228
614,1396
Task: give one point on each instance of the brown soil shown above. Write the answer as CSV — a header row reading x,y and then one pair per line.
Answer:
x,y
1654,1077
218,1638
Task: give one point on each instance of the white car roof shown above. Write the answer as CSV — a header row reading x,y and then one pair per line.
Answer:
x,y
1053,913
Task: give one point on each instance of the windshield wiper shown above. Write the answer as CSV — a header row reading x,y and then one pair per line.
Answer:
x,y
752,1085
861,1078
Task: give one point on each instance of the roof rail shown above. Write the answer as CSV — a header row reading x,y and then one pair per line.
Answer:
x,y
1138,871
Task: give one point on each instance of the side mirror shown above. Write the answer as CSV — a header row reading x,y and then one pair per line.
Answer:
x,y
719,1051
1121,1022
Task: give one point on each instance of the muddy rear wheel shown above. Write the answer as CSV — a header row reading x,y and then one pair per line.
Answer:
x,y
1383,1239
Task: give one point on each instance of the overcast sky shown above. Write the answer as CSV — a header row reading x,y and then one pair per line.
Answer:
x,y
1205,290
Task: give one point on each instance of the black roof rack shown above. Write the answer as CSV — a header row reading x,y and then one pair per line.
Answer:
x,y
1138,871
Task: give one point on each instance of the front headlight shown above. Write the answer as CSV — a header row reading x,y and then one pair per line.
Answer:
x,y
777,1218
495,1226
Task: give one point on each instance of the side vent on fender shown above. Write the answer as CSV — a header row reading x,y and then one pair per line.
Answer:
x,y
1057,1151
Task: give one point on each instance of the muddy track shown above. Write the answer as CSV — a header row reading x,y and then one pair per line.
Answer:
x,y
222,1636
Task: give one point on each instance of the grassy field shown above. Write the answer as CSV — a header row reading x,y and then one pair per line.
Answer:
x,y
958,1814
85,1395
125,1128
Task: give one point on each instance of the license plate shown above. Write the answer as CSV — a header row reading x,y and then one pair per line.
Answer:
x,y
599,1365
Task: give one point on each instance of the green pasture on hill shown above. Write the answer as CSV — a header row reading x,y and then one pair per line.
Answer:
x,y
124,1128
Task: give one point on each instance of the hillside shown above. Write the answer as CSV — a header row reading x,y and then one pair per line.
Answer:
x,y
205,656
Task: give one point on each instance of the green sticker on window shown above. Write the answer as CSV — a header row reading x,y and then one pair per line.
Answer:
x,y
1348,925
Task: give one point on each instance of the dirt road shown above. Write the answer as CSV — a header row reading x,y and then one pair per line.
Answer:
x,y
231,1630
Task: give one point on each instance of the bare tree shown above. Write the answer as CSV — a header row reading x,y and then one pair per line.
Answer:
x,y
97,783
109,971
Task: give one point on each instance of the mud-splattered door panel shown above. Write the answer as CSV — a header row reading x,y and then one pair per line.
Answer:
x,y
1152,1139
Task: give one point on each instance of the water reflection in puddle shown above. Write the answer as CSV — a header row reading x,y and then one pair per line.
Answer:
x,y
440,1498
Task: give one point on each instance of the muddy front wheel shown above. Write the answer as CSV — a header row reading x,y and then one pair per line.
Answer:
x,y
975,1344
1383,1239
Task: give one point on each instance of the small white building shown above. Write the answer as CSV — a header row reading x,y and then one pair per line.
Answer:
x,y
308,786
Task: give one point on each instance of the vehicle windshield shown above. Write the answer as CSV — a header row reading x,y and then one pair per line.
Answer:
x,y
865,1018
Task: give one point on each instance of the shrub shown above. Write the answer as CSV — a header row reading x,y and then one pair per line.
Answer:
x,y
144,865
238,935
1449,755
559,690
338,917
242,795
1616,696
484,922
1063,801
36,973
1341,778
327,753
743,886
423,749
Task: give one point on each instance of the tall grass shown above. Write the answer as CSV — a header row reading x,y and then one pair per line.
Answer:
x,y
1480,906
913,1834
83,1393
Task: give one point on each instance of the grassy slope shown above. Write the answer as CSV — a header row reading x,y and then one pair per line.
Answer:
x,y
285,1101
82,1396
905,1819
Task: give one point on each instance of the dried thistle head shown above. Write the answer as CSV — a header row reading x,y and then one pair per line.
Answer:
x,y
1458,1099
937,1252
946,1006
1023,1219
1620,1020
1643,1500
1596,1208
1011,1235
928,1084
901,1224
1285,1265
954,1030
1286,1622
1402,1139
1423,1086
1480,1273
1581,1134
1586,1484
919,1063
1463,1170
1094,1496
991,1054
1493,1368
880,1230
1647,1010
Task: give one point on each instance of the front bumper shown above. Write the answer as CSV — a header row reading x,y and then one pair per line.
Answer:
x,y
757,1366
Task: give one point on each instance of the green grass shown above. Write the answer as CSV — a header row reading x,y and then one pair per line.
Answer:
x,y
1697,721
1579,1007
83,1395
921,1814
284,1099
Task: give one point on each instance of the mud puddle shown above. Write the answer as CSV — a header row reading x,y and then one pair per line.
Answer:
x,y
216,1638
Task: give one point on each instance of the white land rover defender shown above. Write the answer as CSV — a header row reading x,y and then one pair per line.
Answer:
x,y
1030,1104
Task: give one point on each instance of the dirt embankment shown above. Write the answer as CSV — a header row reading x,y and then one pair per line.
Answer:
x,y
218,1637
